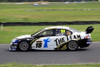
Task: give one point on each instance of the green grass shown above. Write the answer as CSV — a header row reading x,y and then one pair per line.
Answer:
x,y
29,65
8,33
26,13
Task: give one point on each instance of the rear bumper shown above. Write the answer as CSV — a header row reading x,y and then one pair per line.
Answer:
x,y
84,42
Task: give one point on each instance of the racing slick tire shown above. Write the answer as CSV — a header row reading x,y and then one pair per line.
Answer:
x,y
72,45
24,46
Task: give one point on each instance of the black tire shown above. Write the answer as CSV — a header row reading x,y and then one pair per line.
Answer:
x,y
24,46
72,45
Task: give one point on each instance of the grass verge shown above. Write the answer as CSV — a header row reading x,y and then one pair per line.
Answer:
x,y
57,12
29,65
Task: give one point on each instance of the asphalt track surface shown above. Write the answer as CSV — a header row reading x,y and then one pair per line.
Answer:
x,y
81,56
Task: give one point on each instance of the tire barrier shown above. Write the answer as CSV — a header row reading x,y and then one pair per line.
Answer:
x,y
47,23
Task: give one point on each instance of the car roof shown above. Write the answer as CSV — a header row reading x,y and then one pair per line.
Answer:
x,y
57,27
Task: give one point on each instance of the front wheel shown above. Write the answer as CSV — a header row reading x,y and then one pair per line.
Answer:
x,y
72,45
24,46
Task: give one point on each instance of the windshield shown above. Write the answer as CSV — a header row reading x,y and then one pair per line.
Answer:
x,y
36,32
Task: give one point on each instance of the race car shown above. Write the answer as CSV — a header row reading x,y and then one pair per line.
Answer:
x,y
53,38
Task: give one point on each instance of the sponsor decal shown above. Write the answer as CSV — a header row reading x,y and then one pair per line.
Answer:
x,y
38,44
78,36
46,42
73,37
59,41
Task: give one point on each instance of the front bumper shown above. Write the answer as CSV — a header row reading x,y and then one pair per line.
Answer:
x,y
13,46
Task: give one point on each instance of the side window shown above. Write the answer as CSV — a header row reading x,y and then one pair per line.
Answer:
x,y
47,33
60,32
68,32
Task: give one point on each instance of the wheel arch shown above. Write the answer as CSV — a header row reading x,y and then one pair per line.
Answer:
x,y
25,41
72,45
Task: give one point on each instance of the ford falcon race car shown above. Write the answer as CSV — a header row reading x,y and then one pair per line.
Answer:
x,y
53,38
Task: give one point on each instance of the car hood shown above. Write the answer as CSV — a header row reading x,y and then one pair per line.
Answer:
x,y
23,36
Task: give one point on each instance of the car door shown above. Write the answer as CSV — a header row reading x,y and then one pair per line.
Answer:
x,y
44,41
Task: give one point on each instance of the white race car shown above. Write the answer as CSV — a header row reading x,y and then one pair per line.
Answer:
x,y
53,38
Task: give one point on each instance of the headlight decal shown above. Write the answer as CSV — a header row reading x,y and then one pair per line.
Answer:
x,y
16,41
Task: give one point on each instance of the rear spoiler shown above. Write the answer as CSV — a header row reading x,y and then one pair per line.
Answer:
x,y
89,29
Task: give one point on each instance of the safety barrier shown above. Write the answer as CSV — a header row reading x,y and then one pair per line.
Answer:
x,y
48,23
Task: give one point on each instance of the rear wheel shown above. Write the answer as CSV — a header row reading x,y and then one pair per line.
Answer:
x,y
24,46
72,45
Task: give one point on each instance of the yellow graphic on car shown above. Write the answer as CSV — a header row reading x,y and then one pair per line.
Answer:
x,y
62,31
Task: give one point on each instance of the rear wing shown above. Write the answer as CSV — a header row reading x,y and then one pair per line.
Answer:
x,y
89,29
